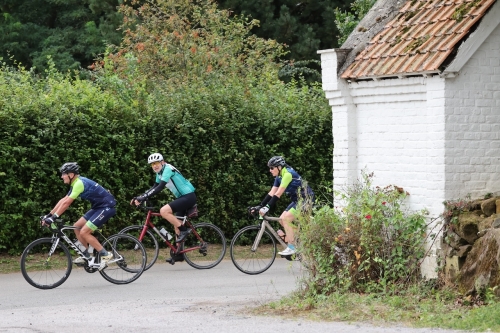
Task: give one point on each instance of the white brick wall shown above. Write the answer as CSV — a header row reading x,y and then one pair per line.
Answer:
x,y
438,138
472,112
397,131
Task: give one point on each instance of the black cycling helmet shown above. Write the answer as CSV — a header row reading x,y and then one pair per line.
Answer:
x,y
276,161
70,167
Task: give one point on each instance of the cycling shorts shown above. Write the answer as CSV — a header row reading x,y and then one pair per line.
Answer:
x,y
97,217
304,206
183,203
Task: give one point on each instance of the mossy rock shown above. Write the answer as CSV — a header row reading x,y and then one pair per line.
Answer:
x,y
468,225
481,266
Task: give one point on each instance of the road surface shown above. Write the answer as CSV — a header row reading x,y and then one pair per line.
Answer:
x,y
164,298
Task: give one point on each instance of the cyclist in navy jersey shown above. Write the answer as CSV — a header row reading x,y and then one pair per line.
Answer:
x,y
286,181
102,209
168,176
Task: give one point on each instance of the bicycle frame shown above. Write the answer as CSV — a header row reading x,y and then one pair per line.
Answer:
x,y
58,233
265,225
148,224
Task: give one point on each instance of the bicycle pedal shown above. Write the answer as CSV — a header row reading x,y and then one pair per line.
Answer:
x,y
289,258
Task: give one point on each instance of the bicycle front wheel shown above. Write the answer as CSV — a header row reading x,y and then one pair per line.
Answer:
x,y
208,247
129,259
252,261
149,242
44,267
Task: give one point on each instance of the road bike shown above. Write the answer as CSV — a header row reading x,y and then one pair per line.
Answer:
x,y
253,248
203,248
46,263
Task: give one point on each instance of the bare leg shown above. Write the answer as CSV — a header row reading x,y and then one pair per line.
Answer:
x,y
167,213
286,221
84,235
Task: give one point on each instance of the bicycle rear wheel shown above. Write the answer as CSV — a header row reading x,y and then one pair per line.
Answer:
x,y
149,242
129,259
43,268
208,250
248,261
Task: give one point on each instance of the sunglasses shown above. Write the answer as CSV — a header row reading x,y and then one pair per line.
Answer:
x,y
155,164
272,168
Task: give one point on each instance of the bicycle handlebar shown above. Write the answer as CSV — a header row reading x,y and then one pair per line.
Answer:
x,y
257,216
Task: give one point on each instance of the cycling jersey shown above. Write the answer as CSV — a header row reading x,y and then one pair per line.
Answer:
x,y
88,189
174,181
292,182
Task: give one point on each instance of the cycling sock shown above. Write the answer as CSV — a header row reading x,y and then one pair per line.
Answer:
x,y
291,246
86,253
182,228
103,252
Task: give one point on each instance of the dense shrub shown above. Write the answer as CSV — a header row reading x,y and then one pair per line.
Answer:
x,y
218,134
370,242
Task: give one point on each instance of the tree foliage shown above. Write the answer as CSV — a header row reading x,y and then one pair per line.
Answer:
x,y
71,32
305,26
346,21
173,42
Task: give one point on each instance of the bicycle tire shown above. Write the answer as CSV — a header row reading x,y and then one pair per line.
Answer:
x,y
42,270
210,252
248,261
133,259
149,241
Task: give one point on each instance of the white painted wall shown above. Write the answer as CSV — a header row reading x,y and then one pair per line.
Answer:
x,y
473,124
437,138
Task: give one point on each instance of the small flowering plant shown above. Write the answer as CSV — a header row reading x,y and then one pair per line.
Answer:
x,y
369,242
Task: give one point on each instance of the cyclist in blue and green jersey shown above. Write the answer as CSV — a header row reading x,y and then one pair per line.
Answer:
x,y
168,176
102,209
286,181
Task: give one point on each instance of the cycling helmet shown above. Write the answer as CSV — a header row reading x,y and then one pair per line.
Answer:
x,y
70,167
276,161
156,157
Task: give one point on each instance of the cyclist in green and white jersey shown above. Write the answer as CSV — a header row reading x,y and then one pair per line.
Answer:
x,y
102,209
287,181
168,176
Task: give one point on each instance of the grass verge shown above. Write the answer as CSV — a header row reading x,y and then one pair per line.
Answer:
x,y
443,309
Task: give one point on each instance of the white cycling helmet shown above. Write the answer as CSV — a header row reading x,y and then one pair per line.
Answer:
x,y
156,157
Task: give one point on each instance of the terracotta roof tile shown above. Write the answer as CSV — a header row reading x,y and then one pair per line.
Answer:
x,y
418,39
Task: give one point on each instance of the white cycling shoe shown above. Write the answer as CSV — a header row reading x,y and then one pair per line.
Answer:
x,y
287,252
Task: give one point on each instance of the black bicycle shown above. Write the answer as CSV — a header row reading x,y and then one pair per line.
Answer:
x,y
46,263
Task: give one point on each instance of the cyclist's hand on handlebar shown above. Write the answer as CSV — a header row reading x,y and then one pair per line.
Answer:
x,y
46,221
263,211
255,209
138,200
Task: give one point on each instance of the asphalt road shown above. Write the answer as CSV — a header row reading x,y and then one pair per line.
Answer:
x,y
164,298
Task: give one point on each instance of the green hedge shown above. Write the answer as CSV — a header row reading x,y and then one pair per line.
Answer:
x,y
218,135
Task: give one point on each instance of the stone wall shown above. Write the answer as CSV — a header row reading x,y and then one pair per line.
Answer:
x,y
471,247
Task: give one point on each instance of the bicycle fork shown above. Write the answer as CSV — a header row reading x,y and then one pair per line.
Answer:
x,y
259,236
55,242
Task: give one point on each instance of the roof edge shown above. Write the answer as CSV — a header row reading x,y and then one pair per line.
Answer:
x,y
382,12
488,24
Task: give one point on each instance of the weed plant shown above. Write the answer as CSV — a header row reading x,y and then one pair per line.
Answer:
x,y
368,243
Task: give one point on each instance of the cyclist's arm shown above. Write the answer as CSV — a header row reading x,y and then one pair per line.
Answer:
x,y
77,188
277,191
62,205
274,189
157,188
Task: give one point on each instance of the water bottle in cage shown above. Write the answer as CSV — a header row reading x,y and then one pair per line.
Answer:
x,y
165,233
